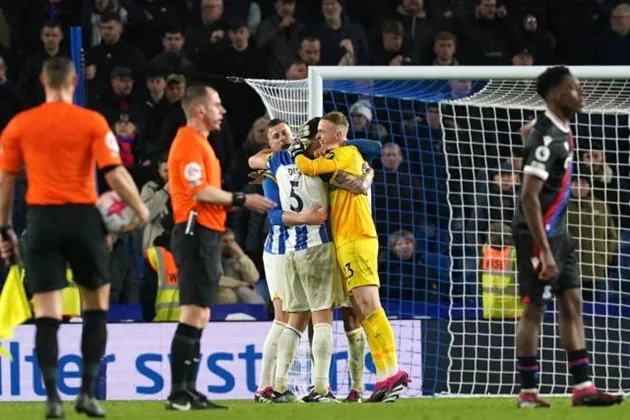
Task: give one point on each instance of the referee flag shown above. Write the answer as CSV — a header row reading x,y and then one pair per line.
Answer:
x,y
14,307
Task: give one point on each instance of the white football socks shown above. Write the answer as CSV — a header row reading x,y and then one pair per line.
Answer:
x,y
356,358
322,355
287,347
270,353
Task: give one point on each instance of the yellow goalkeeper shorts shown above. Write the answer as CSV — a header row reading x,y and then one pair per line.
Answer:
x,y
358,261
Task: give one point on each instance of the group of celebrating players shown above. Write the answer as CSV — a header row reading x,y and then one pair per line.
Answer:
x,y
313,264
321,251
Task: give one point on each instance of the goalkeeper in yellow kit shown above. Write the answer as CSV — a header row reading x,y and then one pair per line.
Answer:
x,y
354,236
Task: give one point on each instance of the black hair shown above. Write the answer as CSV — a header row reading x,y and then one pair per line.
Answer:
x,y
550,79
52,24
276,121
111,17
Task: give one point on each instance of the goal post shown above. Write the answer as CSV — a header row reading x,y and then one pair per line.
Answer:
x,y
453,196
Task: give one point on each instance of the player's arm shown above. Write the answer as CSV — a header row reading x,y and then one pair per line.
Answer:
x,y
279,217
191,166
260,159
355,184
539,159
10,164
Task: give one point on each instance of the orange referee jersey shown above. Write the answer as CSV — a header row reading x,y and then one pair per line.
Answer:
x,y
58,143
192,166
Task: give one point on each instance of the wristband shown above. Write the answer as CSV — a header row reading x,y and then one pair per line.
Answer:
x,y
238,199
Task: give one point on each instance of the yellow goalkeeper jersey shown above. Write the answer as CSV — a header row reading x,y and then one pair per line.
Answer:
x,y
350,215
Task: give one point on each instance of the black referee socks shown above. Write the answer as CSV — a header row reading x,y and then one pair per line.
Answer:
x,y
93,341
183,351
47,348
191,382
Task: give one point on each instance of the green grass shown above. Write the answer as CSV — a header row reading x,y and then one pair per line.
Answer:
x,y
416,409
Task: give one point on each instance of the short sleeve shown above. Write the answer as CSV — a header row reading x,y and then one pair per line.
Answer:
x,y
539,155
10,148
191,167
105,145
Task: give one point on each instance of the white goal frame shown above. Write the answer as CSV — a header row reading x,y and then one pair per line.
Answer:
x,y
318,74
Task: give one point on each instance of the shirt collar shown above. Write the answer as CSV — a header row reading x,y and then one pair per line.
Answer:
x,y
557,122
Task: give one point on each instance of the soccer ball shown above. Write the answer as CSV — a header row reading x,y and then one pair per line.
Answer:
x,y
115,212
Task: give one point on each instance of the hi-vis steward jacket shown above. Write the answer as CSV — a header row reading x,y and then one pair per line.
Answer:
x,y
167,298
498,279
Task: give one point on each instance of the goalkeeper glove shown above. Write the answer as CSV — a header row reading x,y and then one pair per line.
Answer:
x,y
296,148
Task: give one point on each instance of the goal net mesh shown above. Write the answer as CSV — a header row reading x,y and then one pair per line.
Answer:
x,y
443,198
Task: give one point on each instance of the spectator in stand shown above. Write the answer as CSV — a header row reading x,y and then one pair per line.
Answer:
x,y
298,70
124,282
156,108
256,141
389,50
51,36
342,42
241,58
310,51
595,235
502,194
175,89
94,13
173,58
444,48
523,58
119,97
280,34
361,125
156,196
397,196
538,40
239,274
419,29
460,88
492,38
146,22
12,101
206,33
404,273
131,153
612,46
111,52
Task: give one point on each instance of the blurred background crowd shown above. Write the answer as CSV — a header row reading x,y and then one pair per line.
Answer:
x,y
141,54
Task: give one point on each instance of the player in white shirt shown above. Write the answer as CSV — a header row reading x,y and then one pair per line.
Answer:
x,y
312,282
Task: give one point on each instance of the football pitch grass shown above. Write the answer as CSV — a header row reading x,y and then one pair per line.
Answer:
x,y
416,409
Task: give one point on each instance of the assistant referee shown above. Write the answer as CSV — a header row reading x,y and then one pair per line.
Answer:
x,y
58,143
200,210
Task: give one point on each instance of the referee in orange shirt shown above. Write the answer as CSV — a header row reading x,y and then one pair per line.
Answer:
x,y
200,209
58,143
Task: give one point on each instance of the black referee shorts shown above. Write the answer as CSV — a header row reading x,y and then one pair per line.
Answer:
x,y
531,288
198,259
62,235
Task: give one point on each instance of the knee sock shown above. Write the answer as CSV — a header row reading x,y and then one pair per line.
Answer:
x,y
182,354
527,366
47,348
93,342
356,358
322,353
579,366
287,347
380,331
191,382
270,354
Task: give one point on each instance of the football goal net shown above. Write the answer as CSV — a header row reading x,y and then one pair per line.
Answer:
x,y
443,198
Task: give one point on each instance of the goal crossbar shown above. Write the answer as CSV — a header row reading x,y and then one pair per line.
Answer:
x,y
317,75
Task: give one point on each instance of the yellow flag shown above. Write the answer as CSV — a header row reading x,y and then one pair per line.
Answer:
x,y
14,307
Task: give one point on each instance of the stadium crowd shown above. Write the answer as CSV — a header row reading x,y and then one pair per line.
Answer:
x,y
140,55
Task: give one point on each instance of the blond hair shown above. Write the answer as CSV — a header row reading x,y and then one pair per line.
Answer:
x,y
336,118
